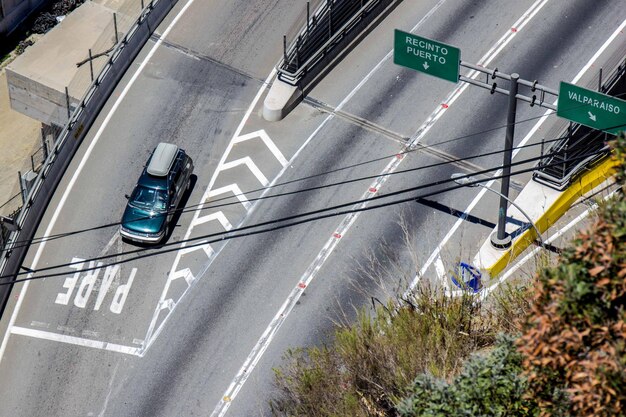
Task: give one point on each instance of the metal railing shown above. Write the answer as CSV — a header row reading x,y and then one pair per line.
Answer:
x,y
323,30
565,164
68,141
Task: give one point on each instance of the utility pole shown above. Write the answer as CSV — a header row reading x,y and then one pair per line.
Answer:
x,y
502,239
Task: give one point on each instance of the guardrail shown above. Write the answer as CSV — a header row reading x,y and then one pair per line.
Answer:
x,y
324,30
70,139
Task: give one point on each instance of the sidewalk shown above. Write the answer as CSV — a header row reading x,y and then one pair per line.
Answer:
x,y
19,138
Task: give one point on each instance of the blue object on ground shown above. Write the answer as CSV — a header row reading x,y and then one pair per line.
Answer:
x,y
470,277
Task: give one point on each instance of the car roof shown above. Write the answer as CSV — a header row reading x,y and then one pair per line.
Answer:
x,y
162,159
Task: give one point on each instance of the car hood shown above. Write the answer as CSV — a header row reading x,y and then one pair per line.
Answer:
x,y
140,220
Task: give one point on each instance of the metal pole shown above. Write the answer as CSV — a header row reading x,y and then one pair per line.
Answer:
x,y
44,144
600,81
90,65
308,16
115,26
19,174
502,240
67,103
533,225
285,48
330,19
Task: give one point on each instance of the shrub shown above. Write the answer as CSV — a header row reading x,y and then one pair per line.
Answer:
x,y
490,385
574,339
372,362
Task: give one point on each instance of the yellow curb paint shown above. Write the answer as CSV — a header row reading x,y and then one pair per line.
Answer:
x,y
587,182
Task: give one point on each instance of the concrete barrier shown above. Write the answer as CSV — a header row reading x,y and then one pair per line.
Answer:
x,y
70,139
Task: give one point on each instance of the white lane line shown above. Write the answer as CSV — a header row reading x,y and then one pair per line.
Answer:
x,y
482,192
267,336
248,162
80,167
72,340
534,252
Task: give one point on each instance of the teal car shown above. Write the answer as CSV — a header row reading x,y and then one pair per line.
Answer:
x,y
159,191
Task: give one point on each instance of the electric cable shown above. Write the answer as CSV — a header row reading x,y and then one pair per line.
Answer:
x,y
213,204
300,218
402,152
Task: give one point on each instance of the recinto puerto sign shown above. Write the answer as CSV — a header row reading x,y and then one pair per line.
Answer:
x,y
590,108
426,55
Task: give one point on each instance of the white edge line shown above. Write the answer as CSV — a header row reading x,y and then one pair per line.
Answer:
x,y
79,169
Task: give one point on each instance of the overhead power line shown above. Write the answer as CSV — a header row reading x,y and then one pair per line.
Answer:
x,y
215,203
293,220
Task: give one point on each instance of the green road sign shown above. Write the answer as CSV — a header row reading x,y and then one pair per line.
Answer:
x,y
592,109
426,55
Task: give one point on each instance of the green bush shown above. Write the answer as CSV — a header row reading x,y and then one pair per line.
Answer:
x,y
489,385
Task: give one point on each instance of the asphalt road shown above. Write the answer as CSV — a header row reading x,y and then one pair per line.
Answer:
x,y
174,334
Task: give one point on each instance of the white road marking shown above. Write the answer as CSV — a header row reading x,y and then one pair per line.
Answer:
x,y
154,331
247,161
232,188
267,336
72,340
268,143
219,216
482,191
440,269
80,167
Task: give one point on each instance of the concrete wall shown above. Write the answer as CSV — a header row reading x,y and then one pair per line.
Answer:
x,y
13,12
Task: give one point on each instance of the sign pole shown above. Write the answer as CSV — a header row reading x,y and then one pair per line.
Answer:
x,y
503,240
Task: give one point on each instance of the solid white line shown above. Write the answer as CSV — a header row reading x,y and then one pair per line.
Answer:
x,y
482,192
70,185
262,344
72,340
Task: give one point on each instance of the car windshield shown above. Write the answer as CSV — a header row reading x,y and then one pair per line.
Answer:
x,y
149,199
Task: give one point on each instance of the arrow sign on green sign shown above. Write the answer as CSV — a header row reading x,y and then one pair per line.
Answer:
x,y
426,55
590,108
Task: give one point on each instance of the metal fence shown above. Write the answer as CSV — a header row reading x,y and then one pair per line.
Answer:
x,y
326,23
68,141
565,162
